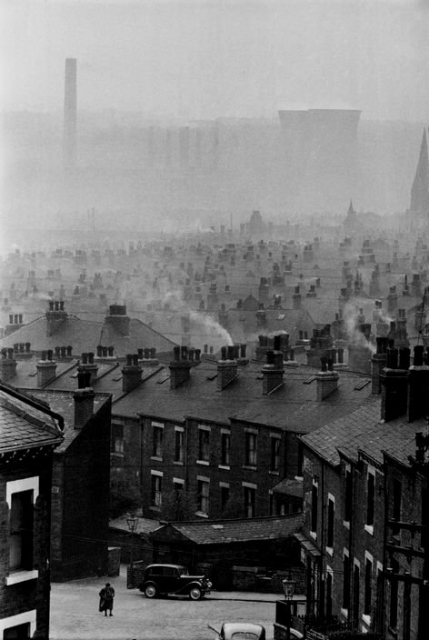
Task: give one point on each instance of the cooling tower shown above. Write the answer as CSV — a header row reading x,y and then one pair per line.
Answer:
x,y
70,114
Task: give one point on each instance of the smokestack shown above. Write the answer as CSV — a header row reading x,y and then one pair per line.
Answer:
x,y
70,113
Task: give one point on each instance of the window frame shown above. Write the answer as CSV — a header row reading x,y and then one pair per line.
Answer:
x,y
251,452
225,437
156,478
14,487
249,491
203,445
157,441
203,499
275,446
179,445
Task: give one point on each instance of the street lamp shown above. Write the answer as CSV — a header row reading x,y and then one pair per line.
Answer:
x,y
132,525
289,590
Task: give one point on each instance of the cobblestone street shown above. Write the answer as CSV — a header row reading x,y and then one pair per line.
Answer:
x,y
75,615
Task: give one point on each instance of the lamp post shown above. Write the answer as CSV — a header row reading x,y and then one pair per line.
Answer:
x,y
289,590
132,525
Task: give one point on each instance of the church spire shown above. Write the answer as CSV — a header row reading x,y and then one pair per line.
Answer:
x,y
420,188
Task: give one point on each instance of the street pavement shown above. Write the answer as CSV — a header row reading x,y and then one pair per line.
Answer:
x,y
75,615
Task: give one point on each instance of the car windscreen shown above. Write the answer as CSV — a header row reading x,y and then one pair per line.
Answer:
x,y
183,571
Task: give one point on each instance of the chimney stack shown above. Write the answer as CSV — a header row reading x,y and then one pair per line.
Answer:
x,y
273,370
180,367
87,364
418,386
7,364
131,373
242,359
55,316
118,319
327,379
297,298
378,362
83,400
46,368
227,367
394,381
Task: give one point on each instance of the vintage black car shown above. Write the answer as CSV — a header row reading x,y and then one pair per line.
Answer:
x,y
173,579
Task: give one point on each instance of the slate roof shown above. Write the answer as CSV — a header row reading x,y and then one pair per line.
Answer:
x,y
22,426
364,431
293,407
85,335
62,402
240,530
290,487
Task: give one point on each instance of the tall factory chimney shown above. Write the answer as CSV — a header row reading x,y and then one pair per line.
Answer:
x,y
70,107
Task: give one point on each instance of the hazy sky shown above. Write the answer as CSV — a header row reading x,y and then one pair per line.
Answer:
x,y
215,58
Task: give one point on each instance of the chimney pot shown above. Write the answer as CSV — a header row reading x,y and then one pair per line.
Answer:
x,y
392,358
418,355
404,358
83,406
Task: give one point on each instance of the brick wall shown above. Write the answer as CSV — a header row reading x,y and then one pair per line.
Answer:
x,y
80,518
32,594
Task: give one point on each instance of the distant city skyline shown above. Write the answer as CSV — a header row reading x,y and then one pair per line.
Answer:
x,y
205,59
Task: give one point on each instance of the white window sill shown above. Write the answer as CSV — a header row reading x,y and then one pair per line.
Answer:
x,y
226,467
205,463
273,472
251,467
313,534
202,514
366,619
157,458
345,613
330,551
346,523
369,528
21,576
178,462
155,508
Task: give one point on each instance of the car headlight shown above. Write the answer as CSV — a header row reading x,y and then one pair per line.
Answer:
x,y
209,584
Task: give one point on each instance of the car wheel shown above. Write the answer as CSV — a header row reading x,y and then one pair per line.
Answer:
x,y
195,593
151,591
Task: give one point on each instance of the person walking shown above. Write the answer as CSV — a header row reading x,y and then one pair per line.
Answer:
x,y
107,595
